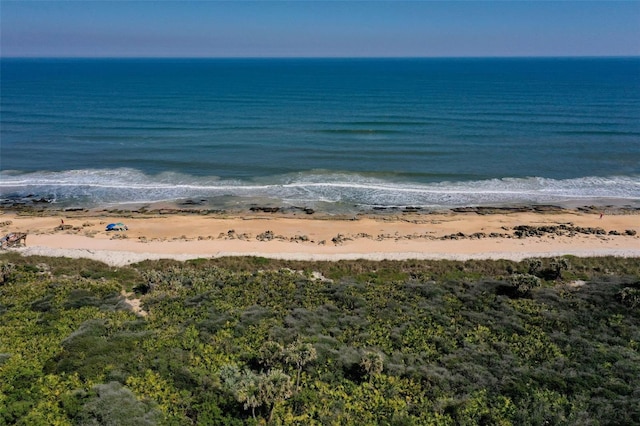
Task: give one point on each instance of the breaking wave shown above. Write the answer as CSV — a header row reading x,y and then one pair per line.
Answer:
x,y
120,186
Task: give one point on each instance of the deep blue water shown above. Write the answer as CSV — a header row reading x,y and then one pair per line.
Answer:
x,y
363,132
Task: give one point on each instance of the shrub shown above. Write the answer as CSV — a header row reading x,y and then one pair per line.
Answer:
x,y
372,363
6,272
299,354
255,390
114,405
271,353
558,265
523,283
629,297
534,266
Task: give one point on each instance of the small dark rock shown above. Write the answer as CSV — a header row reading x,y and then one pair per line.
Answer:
x,y
266,236
265,209
339,239
411,209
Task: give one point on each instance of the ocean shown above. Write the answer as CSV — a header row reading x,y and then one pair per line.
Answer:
x,y
331,134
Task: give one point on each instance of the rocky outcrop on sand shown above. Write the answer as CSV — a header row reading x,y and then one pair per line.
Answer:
x,y
523,231
263,209
516,209
609,210
231,234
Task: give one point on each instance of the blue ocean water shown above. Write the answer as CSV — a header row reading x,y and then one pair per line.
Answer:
x,y
329,133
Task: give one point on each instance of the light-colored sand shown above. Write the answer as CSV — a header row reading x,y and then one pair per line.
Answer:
x,y
409,236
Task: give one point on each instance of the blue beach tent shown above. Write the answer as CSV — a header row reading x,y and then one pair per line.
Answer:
x,y
117,227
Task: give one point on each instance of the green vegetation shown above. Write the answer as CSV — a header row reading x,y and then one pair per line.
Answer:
x,y
254,341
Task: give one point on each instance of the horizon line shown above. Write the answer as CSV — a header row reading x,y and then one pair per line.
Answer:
x,y
329,57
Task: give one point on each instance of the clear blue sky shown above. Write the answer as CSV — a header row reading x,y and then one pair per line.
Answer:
x,y
321,29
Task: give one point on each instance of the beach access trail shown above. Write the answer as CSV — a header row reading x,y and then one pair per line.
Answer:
x,y
445,235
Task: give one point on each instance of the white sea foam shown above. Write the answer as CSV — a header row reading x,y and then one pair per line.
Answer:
x,y
95,187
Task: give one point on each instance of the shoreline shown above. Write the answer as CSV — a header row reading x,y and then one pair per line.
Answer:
x,y
175,232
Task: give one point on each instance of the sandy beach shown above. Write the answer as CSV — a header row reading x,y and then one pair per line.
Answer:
x,y
442,235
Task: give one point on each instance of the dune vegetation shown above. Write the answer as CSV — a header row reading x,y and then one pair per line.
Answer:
x,y
255,341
